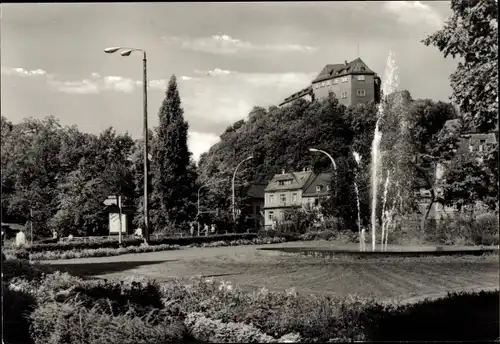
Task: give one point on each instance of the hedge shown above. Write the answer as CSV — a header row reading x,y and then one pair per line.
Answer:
x,y
113,243
70,309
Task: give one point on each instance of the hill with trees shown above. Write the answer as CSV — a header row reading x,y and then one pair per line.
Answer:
x,y
280,138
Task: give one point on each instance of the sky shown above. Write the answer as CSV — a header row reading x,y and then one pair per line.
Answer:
x,y
227,57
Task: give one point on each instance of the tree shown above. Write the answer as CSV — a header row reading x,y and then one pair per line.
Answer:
x,y
173,183
104,169
472,34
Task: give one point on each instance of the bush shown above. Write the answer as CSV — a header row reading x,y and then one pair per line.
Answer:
x,y
54,323
215,331
17,305
23,269
464,230
100,252
129,242
456,317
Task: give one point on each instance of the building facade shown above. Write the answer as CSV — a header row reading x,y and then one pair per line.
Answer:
x,y
352,83
292,191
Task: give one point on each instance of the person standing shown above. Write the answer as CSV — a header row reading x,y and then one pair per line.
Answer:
x,y
191,229
205,229
212,228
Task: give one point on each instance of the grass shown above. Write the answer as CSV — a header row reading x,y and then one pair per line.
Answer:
x,y
383,278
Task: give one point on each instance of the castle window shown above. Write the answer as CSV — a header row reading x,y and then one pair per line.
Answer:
x,y
361,78
360,93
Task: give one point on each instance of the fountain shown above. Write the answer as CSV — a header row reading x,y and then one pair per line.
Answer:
x,y
389,85
361,236
392,164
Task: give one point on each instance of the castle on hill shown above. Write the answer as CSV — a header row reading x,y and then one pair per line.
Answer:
x,y
352,83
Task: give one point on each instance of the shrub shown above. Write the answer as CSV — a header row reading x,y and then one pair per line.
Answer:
x,y
23,269
133,242
54,323
215,331
17,305
456,317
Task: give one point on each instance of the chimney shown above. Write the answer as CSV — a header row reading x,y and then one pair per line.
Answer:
x,y
345,62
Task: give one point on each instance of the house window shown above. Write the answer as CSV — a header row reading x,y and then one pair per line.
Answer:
x,y
344,95
270,215
271,198
283,198
360,93
319,188
360,78
316,202
335,81
344,79
294,197
282,214
328,82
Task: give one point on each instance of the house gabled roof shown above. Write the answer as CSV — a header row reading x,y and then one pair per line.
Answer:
x,y
320,179
356,66
299,179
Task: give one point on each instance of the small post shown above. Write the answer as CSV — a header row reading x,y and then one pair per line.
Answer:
x,y
119,201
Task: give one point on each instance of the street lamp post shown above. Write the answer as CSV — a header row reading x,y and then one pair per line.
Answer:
x,y
126,52
331,159
234,177
328,155
198,212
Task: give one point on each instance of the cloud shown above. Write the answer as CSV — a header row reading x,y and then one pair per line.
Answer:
x,y
289,79
200,143
23,72
75,87
414,13
91,85
227,45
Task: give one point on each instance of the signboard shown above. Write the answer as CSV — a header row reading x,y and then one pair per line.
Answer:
x,y
111,200
114,223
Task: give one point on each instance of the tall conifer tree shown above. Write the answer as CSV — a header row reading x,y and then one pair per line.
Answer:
x,y
173,178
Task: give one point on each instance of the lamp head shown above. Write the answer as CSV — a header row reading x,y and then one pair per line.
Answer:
x,y
250,157
126,52
313,150
111,50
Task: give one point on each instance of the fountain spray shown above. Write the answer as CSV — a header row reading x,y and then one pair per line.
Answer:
x,y
389,85
384,202
357,157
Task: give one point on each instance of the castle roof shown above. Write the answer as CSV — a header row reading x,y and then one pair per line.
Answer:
x,y
356,66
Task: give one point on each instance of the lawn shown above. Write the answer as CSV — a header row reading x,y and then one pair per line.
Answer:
x,y
382,278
